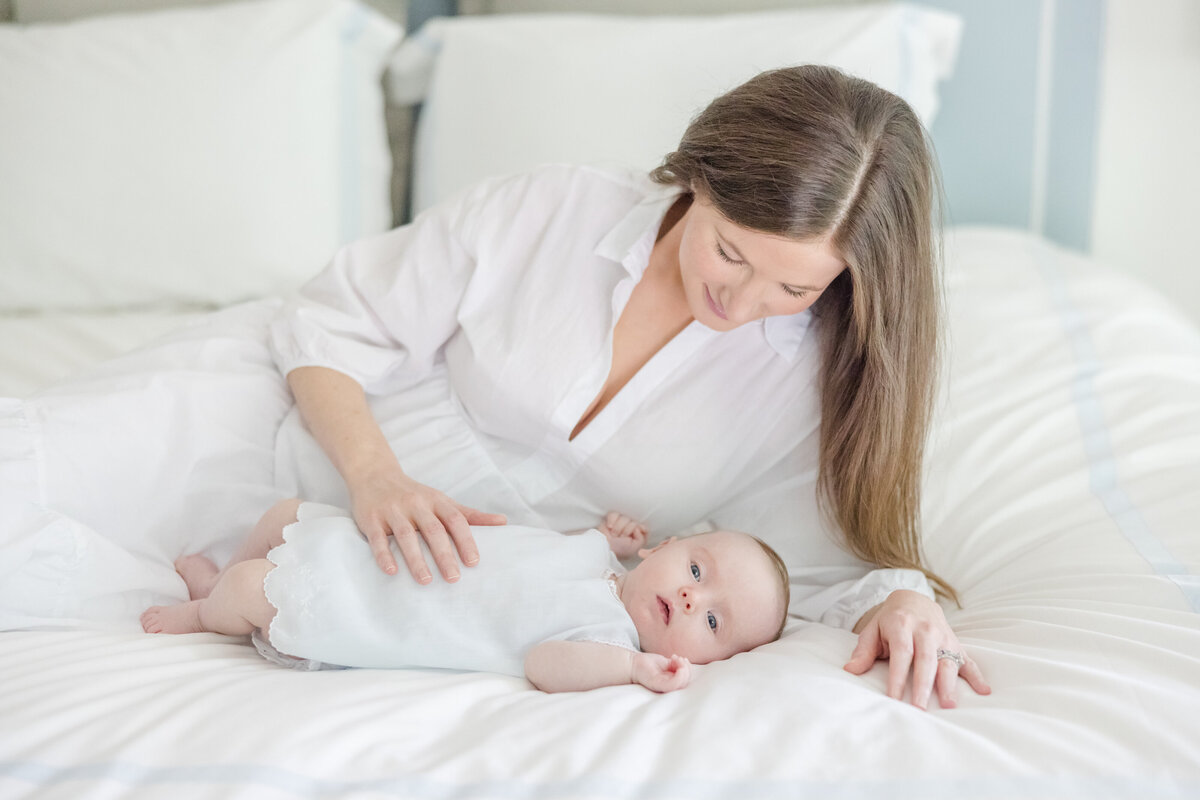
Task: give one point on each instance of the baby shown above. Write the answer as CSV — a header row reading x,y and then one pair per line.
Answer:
x,y
559,609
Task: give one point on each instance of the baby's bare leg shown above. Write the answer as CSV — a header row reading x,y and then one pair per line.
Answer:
x,y
268,532
237,605
201,574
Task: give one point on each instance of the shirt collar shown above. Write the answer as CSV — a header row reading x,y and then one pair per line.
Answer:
x,y
632,238
630,241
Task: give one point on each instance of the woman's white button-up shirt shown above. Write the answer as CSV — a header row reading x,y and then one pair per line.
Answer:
x,y
482,332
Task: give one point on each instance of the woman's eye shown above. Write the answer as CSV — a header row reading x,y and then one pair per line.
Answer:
x,y
712,622
725,256
696,571
794,292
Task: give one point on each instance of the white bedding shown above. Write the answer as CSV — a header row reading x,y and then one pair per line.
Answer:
x,y
1061,501
42,348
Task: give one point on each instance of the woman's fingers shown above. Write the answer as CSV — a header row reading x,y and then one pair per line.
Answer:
x,y
456,525
899,663
441,548
974,677
924,671
947,683
408,540
474,516
377,538
866,652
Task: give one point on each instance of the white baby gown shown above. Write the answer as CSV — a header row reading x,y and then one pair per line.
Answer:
x,y
336,606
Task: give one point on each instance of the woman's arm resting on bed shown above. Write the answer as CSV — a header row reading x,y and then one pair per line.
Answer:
x,y
579,666
909,629
386,501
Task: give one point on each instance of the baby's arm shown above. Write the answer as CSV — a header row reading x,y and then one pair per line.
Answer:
x,y
578,666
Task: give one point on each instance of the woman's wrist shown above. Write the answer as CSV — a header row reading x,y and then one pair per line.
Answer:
x,y
371,464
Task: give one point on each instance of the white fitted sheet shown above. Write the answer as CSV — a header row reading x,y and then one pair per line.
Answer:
x,y
1061,500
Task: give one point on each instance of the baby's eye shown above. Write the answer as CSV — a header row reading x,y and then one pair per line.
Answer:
x,y
712,622
696,571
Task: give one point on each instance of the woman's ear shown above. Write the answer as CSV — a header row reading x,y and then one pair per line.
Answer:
x,y
644,553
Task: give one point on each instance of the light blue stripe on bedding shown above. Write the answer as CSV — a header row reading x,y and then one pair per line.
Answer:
x,y
350,207
1105,482
224,777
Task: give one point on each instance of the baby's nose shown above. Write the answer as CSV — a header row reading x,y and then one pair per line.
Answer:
x,y
688,599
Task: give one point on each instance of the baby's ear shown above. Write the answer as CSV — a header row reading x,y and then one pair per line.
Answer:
x,y
644,553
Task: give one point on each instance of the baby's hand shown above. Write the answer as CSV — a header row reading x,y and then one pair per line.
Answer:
x,y
659,673
625,535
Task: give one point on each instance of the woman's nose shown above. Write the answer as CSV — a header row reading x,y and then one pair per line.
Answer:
x,y
743,303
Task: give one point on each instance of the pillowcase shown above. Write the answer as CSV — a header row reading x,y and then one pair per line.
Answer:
x,y
198,155
509,92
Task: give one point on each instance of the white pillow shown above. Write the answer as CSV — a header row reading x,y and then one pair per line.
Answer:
x,y
194,155
509,92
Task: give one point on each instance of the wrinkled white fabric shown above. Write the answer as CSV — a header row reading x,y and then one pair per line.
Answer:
x,y
335,605
497,309
482,331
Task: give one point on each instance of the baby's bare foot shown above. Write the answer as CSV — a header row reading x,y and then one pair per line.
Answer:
x,y
199,573
181,618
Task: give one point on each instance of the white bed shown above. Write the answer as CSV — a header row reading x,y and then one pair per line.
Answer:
x,y
1060,500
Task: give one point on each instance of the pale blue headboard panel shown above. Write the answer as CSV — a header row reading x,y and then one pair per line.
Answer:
x,y
1017,131
1016,134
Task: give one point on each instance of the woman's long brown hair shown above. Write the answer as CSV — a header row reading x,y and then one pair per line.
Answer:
x,y
811,153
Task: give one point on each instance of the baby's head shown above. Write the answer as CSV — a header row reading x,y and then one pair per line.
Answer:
x,y
707,597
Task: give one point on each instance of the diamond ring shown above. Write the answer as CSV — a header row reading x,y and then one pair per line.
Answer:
x,y
957,658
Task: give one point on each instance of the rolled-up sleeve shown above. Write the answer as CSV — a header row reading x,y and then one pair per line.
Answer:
x,y
385,305
842,604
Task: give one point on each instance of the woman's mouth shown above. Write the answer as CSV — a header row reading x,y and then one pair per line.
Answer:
x,y
664,608
716,309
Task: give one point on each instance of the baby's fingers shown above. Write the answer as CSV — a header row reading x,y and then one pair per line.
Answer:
x,y
680,670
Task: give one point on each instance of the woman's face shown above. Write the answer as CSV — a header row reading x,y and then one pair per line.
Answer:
x,y
734,275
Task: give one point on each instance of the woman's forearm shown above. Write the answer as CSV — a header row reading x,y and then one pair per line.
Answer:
x,y
334,408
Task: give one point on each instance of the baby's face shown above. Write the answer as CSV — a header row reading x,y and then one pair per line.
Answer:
x,y
705,597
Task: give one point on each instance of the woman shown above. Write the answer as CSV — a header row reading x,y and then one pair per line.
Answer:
x,y
606,339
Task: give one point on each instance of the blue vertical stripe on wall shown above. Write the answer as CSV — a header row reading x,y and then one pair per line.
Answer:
x,y
421,10
1074,121
984,132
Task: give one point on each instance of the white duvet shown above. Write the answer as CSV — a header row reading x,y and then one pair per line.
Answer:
x,y
1061,499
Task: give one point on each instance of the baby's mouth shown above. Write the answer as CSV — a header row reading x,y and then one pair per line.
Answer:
x,y
665,609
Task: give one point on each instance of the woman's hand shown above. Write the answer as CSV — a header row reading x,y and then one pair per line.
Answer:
x,y
389,503
625,535
910,631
